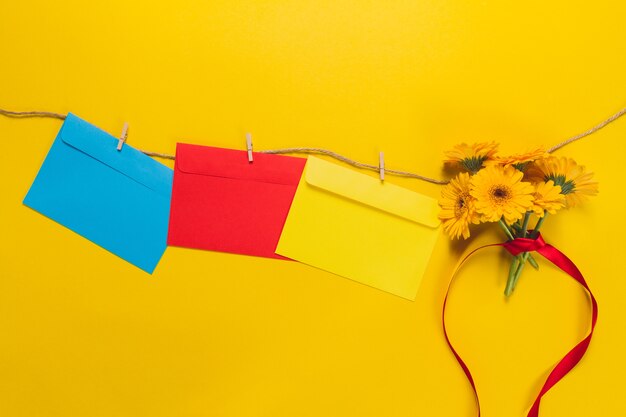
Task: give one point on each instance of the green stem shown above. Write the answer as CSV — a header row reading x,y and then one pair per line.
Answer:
x,y
533,262
525,224
513,269
535,232
518,273
510,282
522,233
506,229
526,255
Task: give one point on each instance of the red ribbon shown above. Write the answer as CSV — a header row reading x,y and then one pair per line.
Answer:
x,y
515,247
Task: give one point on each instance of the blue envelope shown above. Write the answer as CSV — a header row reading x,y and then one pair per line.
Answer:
x,y
119,200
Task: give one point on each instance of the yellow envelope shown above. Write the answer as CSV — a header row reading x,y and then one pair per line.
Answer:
x,y
361,228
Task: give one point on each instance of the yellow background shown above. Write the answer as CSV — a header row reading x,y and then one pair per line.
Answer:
x,y
83,333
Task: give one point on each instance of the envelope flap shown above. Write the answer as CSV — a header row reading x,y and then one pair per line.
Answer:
x,y
372,192
233,164
102,146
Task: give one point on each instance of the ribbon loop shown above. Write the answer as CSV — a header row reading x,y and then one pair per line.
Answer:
x,y
567,363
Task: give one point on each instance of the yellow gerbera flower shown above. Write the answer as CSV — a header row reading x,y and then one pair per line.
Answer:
x,y
500,192
575,182
457,207
519,161
471,157
548,198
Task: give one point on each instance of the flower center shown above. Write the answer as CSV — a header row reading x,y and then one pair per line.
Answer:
x,y
500,193
460,208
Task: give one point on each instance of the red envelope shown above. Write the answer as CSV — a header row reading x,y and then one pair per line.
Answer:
x,y
222,202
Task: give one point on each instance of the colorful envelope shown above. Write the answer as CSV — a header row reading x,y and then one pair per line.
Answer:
x,y
117,199
358,227
222,202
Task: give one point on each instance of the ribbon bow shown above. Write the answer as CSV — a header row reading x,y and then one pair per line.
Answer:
x,y
520,245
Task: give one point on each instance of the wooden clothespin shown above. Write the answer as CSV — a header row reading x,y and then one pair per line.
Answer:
x,y
123,137
249,147
381,166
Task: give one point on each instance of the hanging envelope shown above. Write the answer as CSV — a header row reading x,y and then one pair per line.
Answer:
x,y
358,227
117,199
222,202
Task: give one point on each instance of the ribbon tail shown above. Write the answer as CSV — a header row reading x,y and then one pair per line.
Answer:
x,y
466,370
571,359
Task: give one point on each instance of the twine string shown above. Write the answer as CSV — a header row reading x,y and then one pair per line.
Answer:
x,y
25,114
354,163
588,132
335,155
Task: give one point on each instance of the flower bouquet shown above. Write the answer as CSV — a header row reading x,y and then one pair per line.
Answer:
x,y
515,192
512,191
